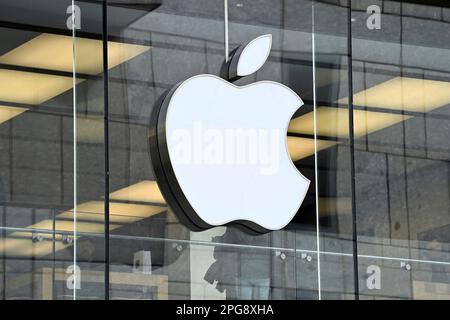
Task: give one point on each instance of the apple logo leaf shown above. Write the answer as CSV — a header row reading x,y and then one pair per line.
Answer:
x,y
249,58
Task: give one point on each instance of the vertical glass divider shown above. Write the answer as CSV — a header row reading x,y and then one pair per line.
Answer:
x,y
316,182
74,151
106,139
352,148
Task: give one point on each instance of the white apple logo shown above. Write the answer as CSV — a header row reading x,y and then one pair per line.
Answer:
x,y
220,151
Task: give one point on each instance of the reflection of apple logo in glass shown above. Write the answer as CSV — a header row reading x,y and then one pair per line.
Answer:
x,y
220,151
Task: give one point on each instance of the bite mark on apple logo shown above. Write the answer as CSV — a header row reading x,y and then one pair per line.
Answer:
x,y
220,152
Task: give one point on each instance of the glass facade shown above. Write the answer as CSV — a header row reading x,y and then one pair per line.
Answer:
x,y
81,213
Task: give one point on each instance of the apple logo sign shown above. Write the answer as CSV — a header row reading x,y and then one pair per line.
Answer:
x,y
220,152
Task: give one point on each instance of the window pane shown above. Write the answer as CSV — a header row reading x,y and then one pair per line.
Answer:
x,y
401,74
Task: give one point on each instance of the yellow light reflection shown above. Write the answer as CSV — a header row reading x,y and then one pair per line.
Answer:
x,y
300,148
90,219
144,191
334,122
96,217
68,226
117,211
55,52
31,88
7,113
409,94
